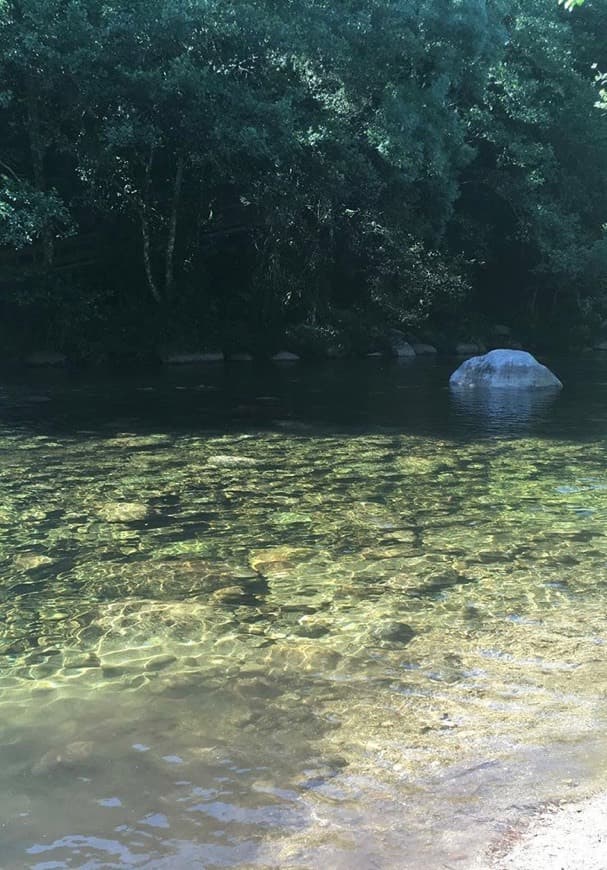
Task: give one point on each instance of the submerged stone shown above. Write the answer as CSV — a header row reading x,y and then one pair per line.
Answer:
x,y
393,632
228,461
31,561
229,595
240,357
399,346
312,626
67,757
160,662
196,357
42,358
513,369
463,348
277,559
123,511
138,442
285,356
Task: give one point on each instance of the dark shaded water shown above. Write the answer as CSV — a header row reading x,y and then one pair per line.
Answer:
x,y
295,616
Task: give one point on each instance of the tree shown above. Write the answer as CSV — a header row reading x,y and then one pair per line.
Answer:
x,y
272,164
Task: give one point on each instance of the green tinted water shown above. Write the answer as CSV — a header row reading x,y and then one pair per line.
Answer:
x,y
291,617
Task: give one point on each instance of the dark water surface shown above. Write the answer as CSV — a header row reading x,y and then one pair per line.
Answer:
x,y
296,616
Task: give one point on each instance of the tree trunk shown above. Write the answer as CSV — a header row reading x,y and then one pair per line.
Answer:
x,y
555,300
533,303
147,259
10,171
38,151
170,250
145,229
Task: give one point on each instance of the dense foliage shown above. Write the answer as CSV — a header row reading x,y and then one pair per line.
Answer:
x,y
196,171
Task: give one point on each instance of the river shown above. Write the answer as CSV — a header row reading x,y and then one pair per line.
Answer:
x,y
296,616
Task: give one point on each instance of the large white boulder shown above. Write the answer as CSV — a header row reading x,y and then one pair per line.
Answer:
x,y
514,369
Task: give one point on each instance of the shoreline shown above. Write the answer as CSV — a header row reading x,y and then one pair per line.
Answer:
x,y
565,836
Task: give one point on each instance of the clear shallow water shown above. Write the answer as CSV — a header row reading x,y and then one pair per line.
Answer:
x,y
295,617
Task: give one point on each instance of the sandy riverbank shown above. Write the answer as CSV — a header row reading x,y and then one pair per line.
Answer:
x,y
567,837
